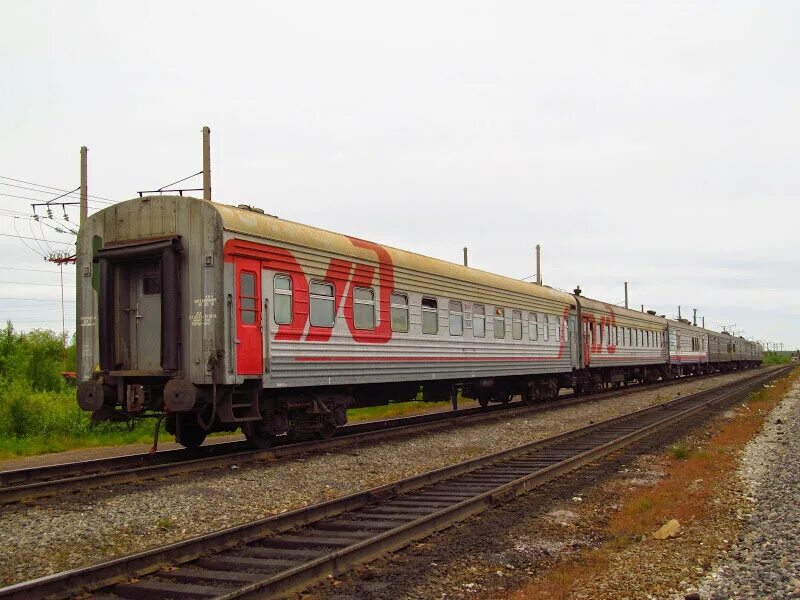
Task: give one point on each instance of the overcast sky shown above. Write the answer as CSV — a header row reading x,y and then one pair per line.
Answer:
x,y
653,142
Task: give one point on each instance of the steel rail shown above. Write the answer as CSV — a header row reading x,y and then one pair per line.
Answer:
x,y
288,552
51,480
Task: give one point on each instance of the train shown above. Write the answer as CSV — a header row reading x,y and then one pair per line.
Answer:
x,y
217,317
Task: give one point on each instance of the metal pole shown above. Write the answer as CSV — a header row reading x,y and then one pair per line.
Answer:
x,y
642,307
694,319
466,262
704,322
679,313
84,186
206,163
538,264
626,294
63,320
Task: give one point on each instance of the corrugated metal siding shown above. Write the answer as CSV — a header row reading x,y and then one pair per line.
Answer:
x,y
622,353
680,343
414,355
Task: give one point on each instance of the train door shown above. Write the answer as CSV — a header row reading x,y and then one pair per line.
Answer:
x,y
144,316
249,346
573,340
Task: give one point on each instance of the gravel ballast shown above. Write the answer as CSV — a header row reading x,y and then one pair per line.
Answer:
x,y
765,562
77,530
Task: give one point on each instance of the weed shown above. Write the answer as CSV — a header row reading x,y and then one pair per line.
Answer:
x,y
679,451
165,523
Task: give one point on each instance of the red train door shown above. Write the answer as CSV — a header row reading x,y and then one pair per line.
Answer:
x,y
249,351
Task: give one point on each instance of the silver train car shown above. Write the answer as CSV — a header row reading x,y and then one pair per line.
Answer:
x,y
219,317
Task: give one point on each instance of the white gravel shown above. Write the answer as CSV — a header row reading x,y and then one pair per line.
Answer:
x,y
82,529
765,563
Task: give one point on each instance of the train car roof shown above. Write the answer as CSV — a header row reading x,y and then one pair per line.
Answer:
x,y
620,311
246,221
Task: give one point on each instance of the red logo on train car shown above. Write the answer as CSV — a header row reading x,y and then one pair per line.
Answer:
x,y
344,275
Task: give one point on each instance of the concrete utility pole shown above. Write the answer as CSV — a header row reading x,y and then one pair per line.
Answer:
x,y
642,307
538,264
704,322
679,313
206,163
626,294
694,318
84,186
466,262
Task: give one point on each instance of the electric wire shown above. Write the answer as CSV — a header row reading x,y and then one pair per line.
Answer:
x,y
41,185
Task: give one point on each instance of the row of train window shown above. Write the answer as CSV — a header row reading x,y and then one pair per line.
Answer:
x,y
622,336
322,312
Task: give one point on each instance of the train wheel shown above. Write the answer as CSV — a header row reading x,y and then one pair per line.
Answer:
x,y
188,432
483,401
257,434
327,431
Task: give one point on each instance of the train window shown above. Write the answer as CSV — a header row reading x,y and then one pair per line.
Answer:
x,y
608,334
637,344
516,324
558,328
499,323
546,327
321,305
430,316
282,304
630,337
364,308
151,286
399,312
456,317
533,326
478,320
247,298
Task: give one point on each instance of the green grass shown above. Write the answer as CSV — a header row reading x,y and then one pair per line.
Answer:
x,y
40,422
395,409
777,358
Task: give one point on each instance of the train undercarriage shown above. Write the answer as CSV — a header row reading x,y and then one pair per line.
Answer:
x,y
191,412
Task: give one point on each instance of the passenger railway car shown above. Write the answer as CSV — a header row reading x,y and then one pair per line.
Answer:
x,y
220,317
688,348
619,344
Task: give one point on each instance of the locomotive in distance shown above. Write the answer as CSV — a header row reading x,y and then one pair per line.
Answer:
x,y
223,317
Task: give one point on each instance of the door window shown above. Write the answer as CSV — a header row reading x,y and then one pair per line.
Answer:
x,y
478,320
247,298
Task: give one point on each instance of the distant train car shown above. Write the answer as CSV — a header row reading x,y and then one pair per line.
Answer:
x,y
688,348
619,345
220,317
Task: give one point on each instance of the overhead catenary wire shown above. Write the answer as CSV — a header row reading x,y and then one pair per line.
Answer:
x,y
91,203
32,283
49,187
29,269
35,299
23,237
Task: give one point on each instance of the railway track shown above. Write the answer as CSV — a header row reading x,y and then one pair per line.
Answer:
x,y
53,480
288,552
